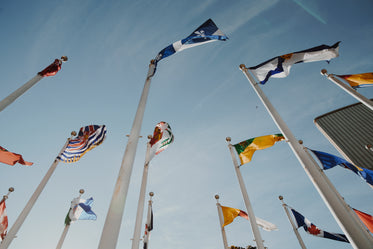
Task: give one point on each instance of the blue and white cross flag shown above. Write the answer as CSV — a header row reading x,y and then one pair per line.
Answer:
x,y
207,32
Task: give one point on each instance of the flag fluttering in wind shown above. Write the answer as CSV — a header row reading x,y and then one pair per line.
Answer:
x,y
358,80
148,228
3,220
279,67
162,138
230,214
11,158
314,230
52,69
329,161
207,32
367,219
80,210
246,149
88,138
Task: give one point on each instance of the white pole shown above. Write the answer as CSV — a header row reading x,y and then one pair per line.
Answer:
x,y
110,232
295,229
148,221
250,212
67,226
140,205
221,219
13,96
367,102
26,210
348,223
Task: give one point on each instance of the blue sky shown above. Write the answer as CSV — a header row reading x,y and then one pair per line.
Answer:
x,y
200,92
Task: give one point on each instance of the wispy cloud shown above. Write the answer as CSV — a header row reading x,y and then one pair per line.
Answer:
x,y
310,11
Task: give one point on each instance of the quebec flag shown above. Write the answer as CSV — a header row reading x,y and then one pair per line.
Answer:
x,y
207,32
314,230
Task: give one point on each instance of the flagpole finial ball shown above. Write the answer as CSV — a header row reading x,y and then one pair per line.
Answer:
x,y
217,197
11,189
151,194
81,191
281,198
150,137
242,66
73,133
324,72
152,61
228,139
300,141
64,58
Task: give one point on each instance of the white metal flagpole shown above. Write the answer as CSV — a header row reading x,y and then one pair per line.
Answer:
x,y
140,205
14,95
358,237
295,229
149,223
67,226
367,102
110,232
26,210
250,212
221,219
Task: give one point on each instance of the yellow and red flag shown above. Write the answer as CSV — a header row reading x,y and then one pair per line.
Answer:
x,y
358,80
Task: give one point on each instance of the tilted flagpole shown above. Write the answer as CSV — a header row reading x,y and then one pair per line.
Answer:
x,y
67,226
221,220
140,205
26,210
358,237
110,232
295,229
250,212
148,222
367,102
13,96
10,190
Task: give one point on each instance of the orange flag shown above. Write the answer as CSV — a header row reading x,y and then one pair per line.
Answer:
x,y
11,158
367,219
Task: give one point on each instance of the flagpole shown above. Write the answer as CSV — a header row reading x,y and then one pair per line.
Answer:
x,y
250,212
26,210
339,209
13,96
221,219
295,229
110,232
67,226
148,221
140,205
367,102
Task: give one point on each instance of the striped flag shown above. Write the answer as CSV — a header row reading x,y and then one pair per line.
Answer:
x,y
162,138
3,220
88,138
80,210
207,32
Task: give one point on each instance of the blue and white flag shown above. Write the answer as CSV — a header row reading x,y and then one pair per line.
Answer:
x,y
80,210
279,67
329,161
314,230
207,32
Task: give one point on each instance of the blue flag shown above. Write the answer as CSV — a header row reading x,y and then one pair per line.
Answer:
x,y
314,230
207,32
329,161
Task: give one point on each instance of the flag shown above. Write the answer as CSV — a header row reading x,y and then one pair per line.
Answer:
x,y
207,32
52,69
230,214
314,230
80,210
88,138
162,138
3,220
279,67
329,161
11,158
246,148
358,80
148,228
367,219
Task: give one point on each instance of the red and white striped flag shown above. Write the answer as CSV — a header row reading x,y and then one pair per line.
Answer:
x,y
3,220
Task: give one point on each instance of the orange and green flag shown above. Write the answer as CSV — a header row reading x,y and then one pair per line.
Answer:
x,y
358,80
246,148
